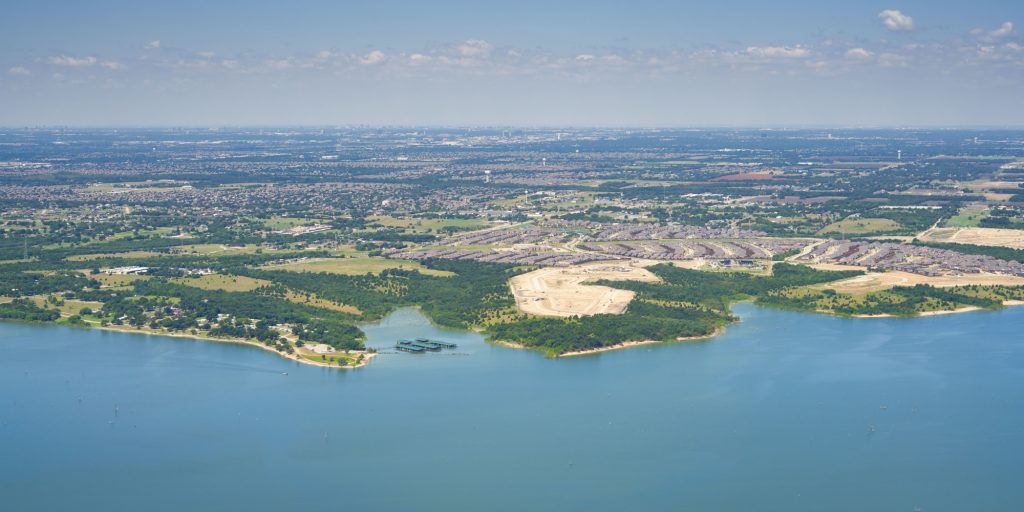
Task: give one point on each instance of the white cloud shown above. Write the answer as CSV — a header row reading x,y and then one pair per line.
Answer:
x,y
419,58
480,58
780,52
475,48
1006,29
20,71
152,45
859,54
278,64
893,60
372,58
74,62
896,21
990,36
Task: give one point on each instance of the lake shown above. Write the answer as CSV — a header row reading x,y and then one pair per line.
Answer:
x,y
785,411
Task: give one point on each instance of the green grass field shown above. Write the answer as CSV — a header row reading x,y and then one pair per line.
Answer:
x,y
114,281
860,226
128,254
967,217
219,249
417,225
277,223
353,266
222,282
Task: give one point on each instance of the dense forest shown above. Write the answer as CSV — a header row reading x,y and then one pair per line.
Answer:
x,y
25,311
473,295
898,301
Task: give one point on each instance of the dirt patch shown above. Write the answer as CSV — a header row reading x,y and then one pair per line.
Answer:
x,y
564,292
995,237
878,281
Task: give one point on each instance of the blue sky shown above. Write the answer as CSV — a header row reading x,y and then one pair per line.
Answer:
x,y
640,63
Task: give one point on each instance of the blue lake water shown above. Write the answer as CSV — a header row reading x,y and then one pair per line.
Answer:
x,y
785,411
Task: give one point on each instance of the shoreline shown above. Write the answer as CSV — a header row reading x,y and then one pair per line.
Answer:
x,y
717,332
629,344
367,356
965,309
618,346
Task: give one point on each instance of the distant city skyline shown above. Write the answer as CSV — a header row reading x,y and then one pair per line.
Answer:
x,y
648,63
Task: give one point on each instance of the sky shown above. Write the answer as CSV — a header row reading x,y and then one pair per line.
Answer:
x,y
512,63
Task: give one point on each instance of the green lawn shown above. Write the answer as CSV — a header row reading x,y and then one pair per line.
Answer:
x,y
968,217
353,266
222,282
860,226
417,225
279,223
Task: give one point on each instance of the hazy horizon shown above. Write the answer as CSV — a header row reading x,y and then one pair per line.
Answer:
x,y
650,127
664,64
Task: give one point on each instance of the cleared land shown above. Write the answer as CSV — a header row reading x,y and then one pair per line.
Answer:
x,y
878,281
564,292
995,237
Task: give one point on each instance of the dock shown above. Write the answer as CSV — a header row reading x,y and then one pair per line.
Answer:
x,y
442,344
409,348
421,345
418,344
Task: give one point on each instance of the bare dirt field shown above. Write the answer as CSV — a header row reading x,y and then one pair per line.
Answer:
x,y
878,281
1013,238
564,292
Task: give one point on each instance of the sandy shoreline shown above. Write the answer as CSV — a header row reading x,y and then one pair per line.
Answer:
x,y
965,309
367,356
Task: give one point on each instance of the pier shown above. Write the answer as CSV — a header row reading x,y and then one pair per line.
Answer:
x,y
421,345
